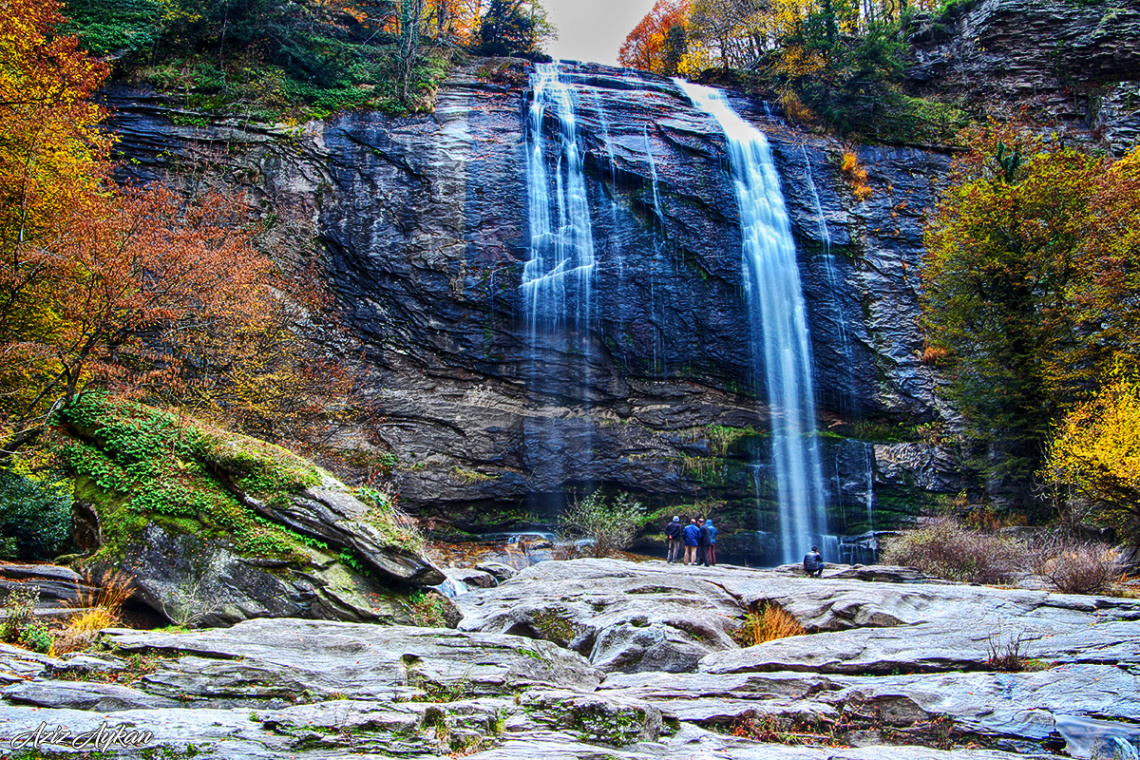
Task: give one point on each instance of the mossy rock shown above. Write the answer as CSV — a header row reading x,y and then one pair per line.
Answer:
x,y
216,527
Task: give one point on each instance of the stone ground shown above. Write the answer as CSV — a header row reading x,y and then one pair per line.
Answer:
x,y
613,659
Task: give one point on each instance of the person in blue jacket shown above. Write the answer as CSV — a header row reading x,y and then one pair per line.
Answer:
x,y
712,542
692,537
813,563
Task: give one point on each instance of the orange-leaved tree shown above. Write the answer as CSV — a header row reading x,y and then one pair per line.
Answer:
x,y
657,43
52,166
138,290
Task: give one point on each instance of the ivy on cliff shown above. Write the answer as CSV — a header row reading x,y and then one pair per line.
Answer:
x,y
138,463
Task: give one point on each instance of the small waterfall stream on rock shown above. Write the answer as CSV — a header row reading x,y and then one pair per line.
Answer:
x,y
847,401
780,345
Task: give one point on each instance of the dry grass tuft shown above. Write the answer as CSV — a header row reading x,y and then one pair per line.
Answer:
x,y
97,604
768,623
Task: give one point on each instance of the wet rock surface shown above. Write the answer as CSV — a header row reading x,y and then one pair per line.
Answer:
x,y
897,671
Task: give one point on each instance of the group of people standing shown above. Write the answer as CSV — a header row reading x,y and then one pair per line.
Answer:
x,y
697,539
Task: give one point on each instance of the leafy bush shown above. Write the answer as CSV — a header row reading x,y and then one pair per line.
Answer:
x,y
610,524
946,549
20,615
35,517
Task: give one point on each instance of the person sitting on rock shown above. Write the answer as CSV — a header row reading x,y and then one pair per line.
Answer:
x,y
813,563
673,540
712,542
692,537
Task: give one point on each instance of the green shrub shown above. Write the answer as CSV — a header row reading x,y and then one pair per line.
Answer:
x,y
947,549
35,517
610,524
37,638
19,613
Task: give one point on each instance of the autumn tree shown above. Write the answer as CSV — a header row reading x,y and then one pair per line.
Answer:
x,y
142,290
514,26
1095,456
1030,289
658,43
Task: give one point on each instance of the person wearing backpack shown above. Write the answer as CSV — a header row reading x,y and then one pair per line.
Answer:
x,y
711,558
673,540
703,543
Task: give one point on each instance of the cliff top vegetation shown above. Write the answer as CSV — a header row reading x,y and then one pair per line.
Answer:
x,y
269,59
839,64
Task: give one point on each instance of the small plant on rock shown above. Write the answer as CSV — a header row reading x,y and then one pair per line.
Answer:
x,y
768,623
19,625
427,610
1005,653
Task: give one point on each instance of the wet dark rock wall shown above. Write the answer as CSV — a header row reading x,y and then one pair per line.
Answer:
x,y
424,225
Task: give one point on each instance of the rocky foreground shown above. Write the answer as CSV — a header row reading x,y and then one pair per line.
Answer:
x,y
612,659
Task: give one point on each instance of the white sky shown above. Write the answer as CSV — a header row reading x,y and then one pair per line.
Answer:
x,y
593,30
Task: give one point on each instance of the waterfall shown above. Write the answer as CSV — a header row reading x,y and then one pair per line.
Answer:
x,y
558,280
778,320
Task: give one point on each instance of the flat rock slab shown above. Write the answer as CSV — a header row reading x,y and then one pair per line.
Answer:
x,y
932,647
267,658
694,744
1030,705
79,695
619,616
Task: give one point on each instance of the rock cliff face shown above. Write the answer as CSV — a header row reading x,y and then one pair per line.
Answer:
x,y
1074,65
424,223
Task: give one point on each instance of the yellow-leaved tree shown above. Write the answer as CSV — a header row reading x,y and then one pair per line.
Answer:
x,y
1094,458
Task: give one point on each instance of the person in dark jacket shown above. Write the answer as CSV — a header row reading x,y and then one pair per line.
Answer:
x,y
691,536
673,540
813,563
712,542
703,543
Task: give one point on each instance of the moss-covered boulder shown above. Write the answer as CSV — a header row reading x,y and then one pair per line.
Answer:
x,y
215,527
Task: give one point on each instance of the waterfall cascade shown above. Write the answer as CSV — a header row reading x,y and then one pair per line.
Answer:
x,y
847,397
558,279
780,344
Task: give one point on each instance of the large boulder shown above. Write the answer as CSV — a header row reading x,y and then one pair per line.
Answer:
x,y
212,528
621,618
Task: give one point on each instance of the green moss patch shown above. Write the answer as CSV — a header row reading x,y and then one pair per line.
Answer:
x,y
135,464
